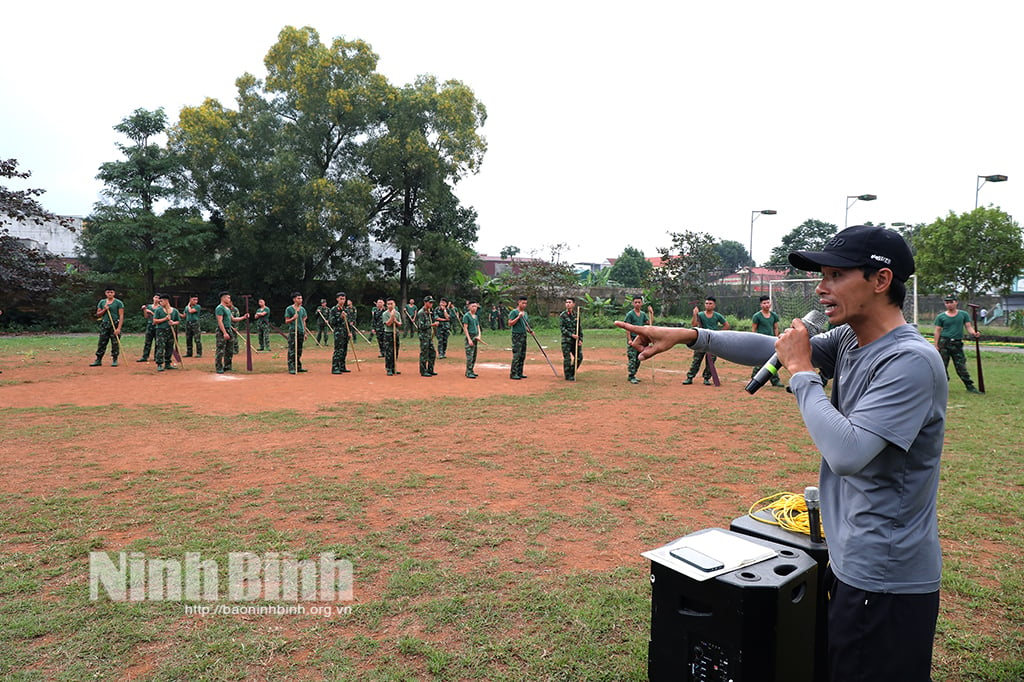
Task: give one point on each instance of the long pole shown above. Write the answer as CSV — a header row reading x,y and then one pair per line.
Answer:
x,y
977,346
248,345
553,370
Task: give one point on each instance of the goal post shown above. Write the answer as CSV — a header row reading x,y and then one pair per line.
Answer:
x,y
795,297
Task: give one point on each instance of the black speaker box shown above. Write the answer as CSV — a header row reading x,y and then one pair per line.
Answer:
x,y
753,624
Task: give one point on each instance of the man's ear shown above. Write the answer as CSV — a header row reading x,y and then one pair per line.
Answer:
x,y
883,280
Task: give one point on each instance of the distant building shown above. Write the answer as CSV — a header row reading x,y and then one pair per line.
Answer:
x,y
492,266
756,278
51,236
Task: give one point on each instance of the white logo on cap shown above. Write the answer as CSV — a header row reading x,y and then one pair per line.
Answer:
x,y
887,261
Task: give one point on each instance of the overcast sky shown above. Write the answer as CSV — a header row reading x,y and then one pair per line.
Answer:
x,y
608,125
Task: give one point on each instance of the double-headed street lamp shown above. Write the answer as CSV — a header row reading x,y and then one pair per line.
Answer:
x,y
982,179
855,197
754,215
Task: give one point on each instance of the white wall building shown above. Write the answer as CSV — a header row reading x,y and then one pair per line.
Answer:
x,y
50,236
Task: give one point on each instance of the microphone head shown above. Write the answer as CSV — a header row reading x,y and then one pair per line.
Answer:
x,y
815,321
811,496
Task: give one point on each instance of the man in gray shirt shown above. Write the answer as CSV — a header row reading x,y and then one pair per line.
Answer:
x,y
880,437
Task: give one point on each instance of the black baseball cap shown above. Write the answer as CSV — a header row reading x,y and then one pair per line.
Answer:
x,y
858,246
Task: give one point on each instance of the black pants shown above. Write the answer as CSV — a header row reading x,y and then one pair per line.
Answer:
x,y
876,637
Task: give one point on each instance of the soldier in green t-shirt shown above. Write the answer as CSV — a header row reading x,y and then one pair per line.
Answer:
x,y
766,321
638,317
295,321
193,332
519,321
263,324
225,333
471,330
110,315
949,340
410,316
709,319
165,319
147,311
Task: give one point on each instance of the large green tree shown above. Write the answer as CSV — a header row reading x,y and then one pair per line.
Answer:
x,y
733,254
631,267
284,171
810,235
126,234
970,253
430,140
687,265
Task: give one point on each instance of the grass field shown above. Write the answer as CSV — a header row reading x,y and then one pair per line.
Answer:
x,y
494,527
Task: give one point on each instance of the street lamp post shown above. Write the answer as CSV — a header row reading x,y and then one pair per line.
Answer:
x,y
754,215
982,179
855,197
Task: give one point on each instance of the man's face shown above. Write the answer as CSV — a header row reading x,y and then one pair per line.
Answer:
x,y
263,303
428,305
297,301
195,299
522,305
412,301
846,295
225,299
391,305
637,302
341,301
109,293
380,303
950,306
766,306
709,306
473,307
156,300
569,305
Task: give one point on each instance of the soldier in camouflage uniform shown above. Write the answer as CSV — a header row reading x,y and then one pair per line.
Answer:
x,y
471,330
949,340
226,338
338,318
263,325
426,325
322,312
165,318
572,339
638,317
110,315
377,326
519,322
147,312
295,320
444,327
709,319
193,332
391,321
410,316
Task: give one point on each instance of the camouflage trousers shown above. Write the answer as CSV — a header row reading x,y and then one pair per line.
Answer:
x,y
380,338
442,341
225,351
193,334
518,354
263,331
148,343
163,347
698,357
953,349
570,346
340,351
322,333
107,336
390,342
295,342
427,354
471,349
632,361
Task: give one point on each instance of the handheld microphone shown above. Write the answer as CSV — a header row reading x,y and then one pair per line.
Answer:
x,y
815,321
813,512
